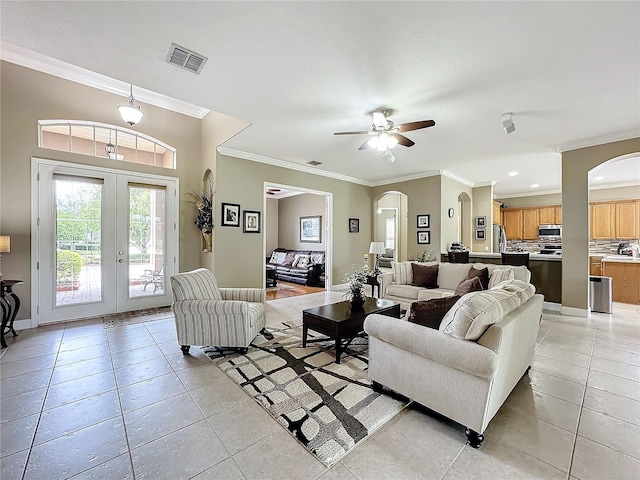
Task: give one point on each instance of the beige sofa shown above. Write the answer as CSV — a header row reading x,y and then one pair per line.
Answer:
x,y
464,380
397,285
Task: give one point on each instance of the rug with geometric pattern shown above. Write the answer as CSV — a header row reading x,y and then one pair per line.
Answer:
x,y
328,407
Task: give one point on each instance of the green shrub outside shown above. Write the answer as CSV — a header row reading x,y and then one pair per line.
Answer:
x,y
68,266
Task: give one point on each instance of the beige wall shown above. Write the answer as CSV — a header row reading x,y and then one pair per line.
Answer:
x,y
575,216
290,210
270,222
482,207
239,257
28,96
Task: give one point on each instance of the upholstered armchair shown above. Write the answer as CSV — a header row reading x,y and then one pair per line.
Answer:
x,y
207,315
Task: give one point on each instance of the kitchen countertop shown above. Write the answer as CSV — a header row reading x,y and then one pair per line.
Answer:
x,y
621,259
532,256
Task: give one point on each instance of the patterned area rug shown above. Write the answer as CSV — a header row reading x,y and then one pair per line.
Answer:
x,y
328,407
138,316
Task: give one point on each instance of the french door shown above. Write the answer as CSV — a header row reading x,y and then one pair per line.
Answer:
x,y
105,241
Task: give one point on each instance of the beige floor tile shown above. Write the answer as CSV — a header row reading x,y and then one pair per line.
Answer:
x,y
22,353
524,404
243,425
610,383
568,344
554,386
139,372
141,394
16,435
453,474
165,336
200,376
161,418
119,467
23,340
219,396
77,415
630,372
278,456
12,466
594,461
117,334
612,405
560,369
21,367
24,383
132,343
83,342
74,371
161,325
502,462
611,432
617,355
617,345
74,453
619,337
131,357
179,455
178,361
337,472
563,355
225,470
22,405
78,389
81,354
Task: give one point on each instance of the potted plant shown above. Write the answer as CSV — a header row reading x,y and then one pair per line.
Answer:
x,y
356,281
204,217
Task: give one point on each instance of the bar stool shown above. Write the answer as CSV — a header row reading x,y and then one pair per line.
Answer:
x,y
458,257
515,259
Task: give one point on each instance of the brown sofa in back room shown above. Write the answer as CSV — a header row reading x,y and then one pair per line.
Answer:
x,y
305,267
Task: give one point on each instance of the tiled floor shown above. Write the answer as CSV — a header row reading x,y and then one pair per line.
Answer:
x,y
82,401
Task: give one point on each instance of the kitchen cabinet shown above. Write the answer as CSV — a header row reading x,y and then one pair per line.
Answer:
x,y
551,215
595,265
497,213
530,223
625,283
512,218
627,220
602,221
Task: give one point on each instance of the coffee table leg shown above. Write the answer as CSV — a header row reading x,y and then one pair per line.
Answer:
x,y
338,349
304,335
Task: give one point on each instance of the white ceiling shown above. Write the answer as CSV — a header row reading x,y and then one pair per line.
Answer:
x,y
299,71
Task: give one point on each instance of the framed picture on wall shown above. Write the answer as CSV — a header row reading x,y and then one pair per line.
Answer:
x,y
230,215
424,237
251,222
423,221
481,234
481,222
354,225
311,229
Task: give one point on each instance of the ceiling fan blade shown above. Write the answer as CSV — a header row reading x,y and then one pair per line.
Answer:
x,y
352,133
402,140
379,120
407,127
364,146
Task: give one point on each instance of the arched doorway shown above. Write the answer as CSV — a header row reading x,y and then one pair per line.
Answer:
x,y
390,222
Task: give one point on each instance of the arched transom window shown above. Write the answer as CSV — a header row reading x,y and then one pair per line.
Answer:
x,y
106,141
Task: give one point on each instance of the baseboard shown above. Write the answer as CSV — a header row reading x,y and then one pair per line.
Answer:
x,y
576,312
552,307
23,324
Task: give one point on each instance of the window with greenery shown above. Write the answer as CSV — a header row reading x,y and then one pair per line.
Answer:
x,y
107,141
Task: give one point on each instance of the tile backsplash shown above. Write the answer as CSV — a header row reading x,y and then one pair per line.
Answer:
x,y
596,247
606,247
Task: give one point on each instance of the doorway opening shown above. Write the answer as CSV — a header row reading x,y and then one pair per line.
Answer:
x,y
298,239
390,227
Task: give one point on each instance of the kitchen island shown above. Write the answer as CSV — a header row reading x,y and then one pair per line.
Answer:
x,y
625,274
546,271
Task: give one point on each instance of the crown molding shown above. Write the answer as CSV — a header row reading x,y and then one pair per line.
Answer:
x,y
254,157
527,194
605,186
36,61
490,183
599,140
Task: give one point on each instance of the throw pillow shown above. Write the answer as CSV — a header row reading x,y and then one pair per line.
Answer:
x,y
303,261
289,259
277,257
425,275
482,274
429,313
469,285
500,275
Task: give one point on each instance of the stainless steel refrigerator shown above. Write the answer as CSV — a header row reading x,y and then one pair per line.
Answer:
x,y
499,239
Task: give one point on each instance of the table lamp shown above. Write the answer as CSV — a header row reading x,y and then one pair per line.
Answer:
x,y
377,248
5,247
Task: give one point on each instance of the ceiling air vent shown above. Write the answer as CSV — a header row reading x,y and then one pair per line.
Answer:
x,y
314,163
185,58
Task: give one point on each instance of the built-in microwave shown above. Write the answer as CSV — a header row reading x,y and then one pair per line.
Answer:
x,y
550,232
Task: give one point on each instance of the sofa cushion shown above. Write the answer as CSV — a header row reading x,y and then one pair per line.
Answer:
x,y
301,261
317,257
524,290
429,293
409,292
429,313
469,285
475,312
424,275
500,275
451,274
278,257
480,273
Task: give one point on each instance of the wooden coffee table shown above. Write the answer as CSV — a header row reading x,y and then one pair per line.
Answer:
x,y
340,322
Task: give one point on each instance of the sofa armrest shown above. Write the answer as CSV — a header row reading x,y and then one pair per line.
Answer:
x,y
384,279
244,294
218,308
433,344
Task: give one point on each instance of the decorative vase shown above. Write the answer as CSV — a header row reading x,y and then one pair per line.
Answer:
x,y
357,302
207,241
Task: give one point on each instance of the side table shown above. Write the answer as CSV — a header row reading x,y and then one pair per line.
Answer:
x,y
373,281
10,304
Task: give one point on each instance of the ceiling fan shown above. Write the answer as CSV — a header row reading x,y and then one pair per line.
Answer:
x,y
385,134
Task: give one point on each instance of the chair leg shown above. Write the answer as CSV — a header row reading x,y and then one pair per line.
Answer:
x,y
185,349
376,387
474,438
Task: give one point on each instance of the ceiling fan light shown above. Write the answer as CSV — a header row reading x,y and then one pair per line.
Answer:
x,y
383,141
391,141
373,142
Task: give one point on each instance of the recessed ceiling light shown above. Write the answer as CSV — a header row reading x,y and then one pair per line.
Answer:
x,y
597,179
535,185
513,174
